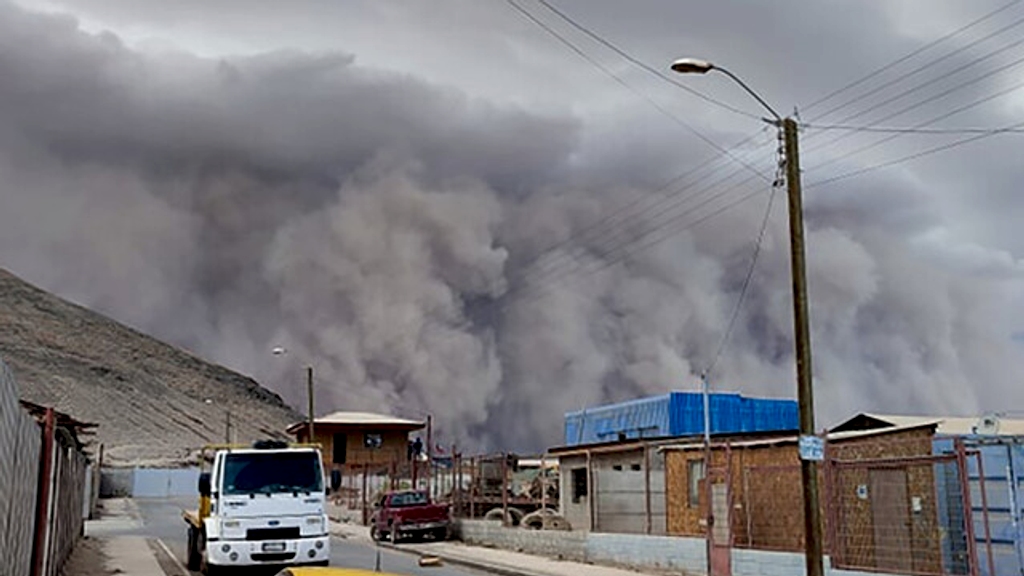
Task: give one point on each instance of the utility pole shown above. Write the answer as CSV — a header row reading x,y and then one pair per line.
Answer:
x,y
802,333
710,518
430,451
227,426
309,393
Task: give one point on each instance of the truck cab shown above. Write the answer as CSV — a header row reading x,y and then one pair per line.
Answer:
x,y
259,505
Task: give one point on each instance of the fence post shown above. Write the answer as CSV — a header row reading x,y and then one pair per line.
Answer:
x,y
43,501
647,489
965,490
984,515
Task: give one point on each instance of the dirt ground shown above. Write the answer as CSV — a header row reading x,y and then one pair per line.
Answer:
x,y
87,560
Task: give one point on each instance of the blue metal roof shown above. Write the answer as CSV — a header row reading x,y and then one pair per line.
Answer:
x,y
678,414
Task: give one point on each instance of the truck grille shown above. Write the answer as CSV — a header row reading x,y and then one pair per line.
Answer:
x,y
272,533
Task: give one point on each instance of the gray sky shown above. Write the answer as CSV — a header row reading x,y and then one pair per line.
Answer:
x,y
364,180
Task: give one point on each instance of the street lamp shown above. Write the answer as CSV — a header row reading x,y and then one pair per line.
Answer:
x,y
227,420
281,351
805,397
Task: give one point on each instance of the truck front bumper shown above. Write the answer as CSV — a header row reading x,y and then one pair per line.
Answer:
x,y
255,553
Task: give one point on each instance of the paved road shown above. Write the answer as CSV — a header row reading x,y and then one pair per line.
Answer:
x,y
161,519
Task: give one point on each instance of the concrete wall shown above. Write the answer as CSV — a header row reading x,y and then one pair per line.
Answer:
x,y
562,545
577,513
116,482
639,552
148,482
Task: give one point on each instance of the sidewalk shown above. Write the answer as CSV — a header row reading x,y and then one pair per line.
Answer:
x,y
503,562
109,547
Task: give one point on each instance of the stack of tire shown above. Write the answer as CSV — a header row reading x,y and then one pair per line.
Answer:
x,y
543,519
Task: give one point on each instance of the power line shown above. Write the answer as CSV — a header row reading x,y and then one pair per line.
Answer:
x,y
667,228
640,64
953,112
909,55
920,69
582,54
933,97
910,157
613,225
746,281
910,130
666,218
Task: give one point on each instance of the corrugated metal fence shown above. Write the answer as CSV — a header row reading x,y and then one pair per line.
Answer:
x,y
42,488
20,444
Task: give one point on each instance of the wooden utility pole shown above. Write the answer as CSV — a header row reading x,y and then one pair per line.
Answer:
x,y
430,450
227,426
802,331
309,393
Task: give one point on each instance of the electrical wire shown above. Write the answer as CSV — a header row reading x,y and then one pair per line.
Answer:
x,y
640,64
933,97
909,55
910,157
614,224
594,62
909,130
746,282
943,116
919,69
619,239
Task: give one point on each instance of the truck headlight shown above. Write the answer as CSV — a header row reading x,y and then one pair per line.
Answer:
x,y
315,521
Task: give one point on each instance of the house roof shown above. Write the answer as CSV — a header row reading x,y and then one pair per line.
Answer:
x,y
638,444
360,419
945,425
792,438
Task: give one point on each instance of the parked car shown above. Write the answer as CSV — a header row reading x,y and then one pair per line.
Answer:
x,y
409,513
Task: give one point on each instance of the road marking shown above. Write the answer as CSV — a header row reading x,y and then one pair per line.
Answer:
x,y
174,559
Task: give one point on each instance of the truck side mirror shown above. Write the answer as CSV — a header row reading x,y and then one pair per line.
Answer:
x,y
204,484
335,480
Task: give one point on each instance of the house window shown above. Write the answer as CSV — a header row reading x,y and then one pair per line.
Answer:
x,y
634,467
695,473
617,467
579,484
373,441
339,448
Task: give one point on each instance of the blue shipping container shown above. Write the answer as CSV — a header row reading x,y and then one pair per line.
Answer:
x,y
679,414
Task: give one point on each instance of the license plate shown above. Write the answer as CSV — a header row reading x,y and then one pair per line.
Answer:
x,y
274,547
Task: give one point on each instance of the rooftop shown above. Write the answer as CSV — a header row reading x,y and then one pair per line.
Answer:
x,y
944,425
361,419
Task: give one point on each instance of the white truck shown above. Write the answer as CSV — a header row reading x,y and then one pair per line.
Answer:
x,y
259,505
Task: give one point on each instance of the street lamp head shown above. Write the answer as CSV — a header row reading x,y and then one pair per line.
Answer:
x,y
278,351
692,66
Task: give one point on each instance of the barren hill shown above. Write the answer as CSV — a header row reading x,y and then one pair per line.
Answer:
x,y
155,403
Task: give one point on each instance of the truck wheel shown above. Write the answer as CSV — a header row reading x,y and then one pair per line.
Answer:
x,y
441,534
192,556
375,534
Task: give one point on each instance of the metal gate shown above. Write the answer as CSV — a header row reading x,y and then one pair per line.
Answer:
x,y
998,475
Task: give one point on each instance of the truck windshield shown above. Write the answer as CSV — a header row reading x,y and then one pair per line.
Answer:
x,y
273,472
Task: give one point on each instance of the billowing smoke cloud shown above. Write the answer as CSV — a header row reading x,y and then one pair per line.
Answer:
x,y
384,230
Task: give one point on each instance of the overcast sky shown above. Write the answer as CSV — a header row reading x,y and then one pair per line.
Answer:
x,y
370,182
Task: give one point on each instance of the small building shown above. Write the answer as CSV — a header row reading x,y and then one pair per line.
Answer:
x,y
877,492
360,440
611,471
995,462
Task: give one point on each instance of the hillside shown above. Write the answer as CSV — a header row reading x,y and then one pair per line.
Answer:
x,y
154,403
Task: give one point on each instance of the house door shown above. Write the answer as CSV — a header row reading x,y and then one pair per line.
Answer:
x,y
890,518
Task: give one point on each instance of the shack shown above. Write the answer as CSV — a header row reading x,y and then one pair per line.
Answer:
x,y
356,441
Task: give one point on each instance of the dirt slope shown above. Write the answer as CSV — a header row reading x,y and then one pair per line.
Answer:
x,y
148,397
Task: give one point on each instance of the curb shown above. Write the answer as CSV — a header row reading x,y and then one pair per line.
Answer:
x,y
499,569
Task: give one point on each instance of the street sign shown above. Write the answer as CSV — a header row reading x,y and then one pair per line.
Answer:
x,y
812,448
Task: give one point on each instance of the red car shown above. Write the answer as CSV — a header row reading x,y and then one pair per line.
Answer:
x,y
409,513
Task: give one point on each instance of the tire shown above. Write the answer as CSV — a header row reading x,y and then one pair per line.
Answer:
x,y
441,534
517,516
193,559
375,534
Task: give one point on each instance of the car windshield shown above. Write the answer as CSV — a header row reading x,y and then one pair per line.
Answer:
x,y
273,472
408,499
